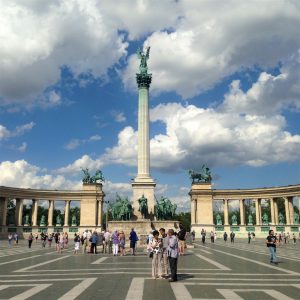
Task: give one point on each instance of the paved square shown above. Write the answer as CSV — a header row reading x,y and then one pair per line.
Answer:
x,y
211,271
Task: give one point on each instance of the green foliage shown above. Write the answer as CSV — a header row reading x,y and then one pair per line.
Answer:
x,y
185,219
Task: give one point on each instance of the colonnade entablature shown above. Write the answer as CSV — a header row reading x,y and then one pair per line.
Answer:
x,y
90,209
245,210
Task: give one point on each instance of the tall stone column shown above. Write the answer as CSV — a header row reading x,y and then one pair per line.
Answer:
x,y
143,184
67,212
272,211
34,212
276,221
3,210
287,211
19,212
242,212
226,212
291,209
100,212
50,212
257,211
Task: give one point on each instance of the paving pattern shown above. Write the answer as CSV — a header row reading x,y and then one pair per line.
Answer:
x,y
210,271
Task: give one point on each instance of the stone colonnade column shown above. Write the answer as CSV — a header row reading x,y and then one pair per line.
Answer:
x,y
50,212
3,210
257,211
100,212
67,212
291,209
242,212
276,221
34,212
287,211
226,212
272,211
19,212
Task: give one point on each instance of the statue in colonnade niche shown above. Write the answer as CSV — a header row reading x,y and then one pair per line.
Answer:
x,y
74,220
219,219
250,219
296,218
26,220
265,219
58,220
143,206
43,221
280,219
233,219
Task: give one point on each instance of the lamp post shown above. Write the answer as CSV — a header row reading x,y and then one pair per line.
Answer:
x,y
106,222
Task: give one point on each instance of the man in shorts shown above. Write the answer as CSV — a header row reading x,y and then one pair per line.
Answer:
x,y
271,242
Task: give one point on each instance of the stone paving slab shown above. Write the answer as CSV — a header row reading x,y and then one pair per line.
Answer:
x,y
210,271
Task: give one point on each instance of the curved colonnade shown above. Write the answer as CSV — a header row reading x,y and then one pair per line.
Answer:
x,y
91,199
202,209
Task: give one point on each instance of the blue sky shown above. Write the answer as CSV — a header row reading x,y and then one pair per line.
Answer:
x,y
225,92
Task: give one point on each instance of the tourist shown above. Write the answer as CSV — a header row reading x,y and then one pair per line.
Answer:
x,y
193,235
16,238
56,239
164,259
181,239
107,242
280,239
30,239
50,239
61,242
36,235
150,237
76,243
225,235
173,254
133,239
294,238
10,238
232,236
66,240
115,242
253,236
212,237
249,237
94,240
84,241
271,244
155,247
122,243
44,239
101,240
215,236
203,236
89,240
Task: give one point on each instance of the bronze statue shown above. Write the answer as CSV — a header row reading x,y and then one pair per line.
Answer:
x,y
143,57
233,219
296,218
280,219
43,221
87,178
143,209
265,219
203,176
121,209
74,220
219,219
164,209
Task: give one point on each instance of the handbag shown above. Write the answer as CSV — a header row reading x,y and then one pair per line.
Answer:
x,y
151,254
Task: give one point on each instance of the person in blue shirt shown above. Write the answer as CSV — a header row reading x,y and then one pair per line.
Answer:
x,y
133,239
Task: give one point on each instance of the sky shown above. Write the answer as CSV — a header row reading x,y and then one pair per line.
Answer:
x,y
225,92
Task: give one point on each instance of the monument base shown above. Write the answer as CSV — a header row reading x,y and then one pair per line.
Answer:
x,y
142,227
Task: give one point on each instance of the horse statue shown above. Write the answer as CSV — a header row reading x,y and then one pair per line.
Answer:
x,y
121,209
97,177
164,209
87,177
143,209
203,176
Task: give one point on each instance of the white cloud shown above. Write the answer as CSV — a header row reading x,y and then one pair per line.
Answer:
x,y
75,143
39,40
213,41
118,116
84,162
18,131
23,147
24,175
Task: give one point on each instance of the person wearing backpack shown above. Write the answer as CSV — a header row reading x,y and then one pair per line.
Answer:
x,y
181,239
